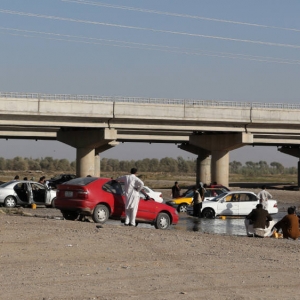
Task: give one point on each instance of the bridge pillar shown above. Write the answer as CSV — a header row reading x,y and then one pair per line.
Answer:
x,y
97,165
203,168
85,162
294,151
86,141
219,146
203,162
220,167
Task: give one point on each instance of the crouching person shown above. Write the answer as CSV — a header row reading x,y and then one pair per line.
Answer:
x,y
289,224
259,223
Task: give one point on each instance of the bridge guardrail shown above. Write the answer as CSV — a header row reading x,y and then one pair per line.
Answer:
x,y
10,95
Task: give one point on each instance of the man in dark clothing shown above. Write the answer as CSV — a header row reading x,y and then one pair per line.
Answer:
x,y
197,203
289,224
175,190
260,221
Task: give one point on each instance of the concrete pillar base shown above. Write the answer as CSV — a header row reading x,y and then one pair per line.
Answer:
x,y
85,162
97,166
220,167
203,172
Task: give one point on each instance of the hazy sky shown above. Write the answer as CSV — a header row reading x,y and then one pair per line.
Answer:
x,y
233,50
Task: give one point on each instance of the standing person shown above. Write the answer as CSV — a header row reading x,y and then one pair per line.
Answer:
x,y
289,224
42,180
263,197
259,222
197,202
202,191
132,187
176,190
16,177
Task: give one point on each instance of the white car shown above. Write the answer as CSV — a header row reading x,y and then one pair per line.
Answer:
x,y
25,192
157,196
234,203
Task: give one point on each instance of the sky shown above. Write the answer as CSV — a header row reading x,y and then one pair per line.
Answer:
x,y
233,50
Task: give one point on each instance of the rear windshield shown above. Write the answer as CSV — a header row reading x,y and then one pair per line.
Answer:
x,y
81,181
5,184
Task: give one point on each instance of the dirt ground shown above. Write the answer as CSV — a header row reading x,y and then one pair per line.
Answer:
x,y
45,257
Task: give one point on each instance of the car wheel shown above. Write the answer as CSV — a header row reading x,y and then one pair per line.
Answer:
x,y
162,221
100,214
182,208
10,201
70,215
208,213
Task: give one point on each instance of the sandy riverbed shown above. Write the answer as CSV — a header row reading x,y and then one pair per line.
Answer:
x,y
43,258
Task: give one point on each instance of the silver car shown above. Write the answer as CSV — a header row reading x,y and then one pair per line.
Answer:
x,y
26,192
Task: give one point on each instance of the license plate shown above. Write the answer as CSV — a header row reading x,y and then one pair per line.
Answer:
x,y
68,194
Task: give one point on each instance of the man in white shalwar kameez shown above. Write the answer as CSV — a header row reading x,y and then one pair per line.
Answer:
x,y
263,196
132,187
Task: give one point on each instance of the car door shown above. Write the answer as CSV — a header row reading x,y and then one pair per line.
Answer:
x,y
39,193
228,205
147,208
115,196
248,202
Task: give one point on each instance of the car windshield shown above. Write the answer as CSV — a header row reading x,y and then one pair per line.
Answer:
x,y
218,197
81,181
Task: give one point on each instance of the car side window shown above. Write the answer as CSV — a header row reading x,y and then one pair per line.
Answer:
x,y
207,194
252,198
235,198
244,197
113,187
228,198
142,196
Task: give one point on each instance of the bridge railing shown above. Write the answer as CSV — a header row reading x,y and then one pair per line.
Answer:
x,y
184,102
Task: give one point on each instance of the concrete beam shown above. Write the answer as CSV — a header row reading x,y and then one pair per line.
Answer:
x,y
221,142
106,147
203,153
293,151
89,138
153,138
28,135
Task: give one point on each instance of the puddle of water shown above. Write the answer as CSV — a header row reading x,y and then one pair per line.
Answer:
x,y
229,226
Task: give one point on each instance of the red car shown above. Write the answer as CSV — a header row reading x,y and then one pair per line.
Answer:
x,y
103,198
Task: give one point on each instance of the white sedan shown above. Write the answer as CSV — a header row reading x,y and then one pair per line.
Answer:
x,y
156,196
234,203
25,192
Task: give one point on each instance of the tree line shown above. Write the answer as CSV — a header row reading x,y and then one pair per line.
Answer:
x,y
177,165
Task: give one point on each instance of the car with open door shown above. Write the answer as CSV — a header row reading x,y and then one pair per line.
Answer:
x,y
26,192
103,199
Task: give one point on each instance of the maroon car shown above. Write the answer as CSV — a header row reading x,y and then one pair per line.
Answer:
x,y
103,198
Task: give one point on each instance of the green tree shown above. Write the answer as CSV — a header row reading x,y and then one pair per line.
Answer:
x,y
18,163
235,166
278,168
2,163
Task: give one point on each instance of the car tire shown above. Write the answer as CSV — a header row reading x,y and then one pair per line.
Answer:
x,y
100,214
162,221
208,213
70,215
10,201
182,208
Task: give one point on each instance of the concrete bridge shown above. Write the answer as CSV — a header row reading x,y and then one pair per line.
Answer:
x,y
93,124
